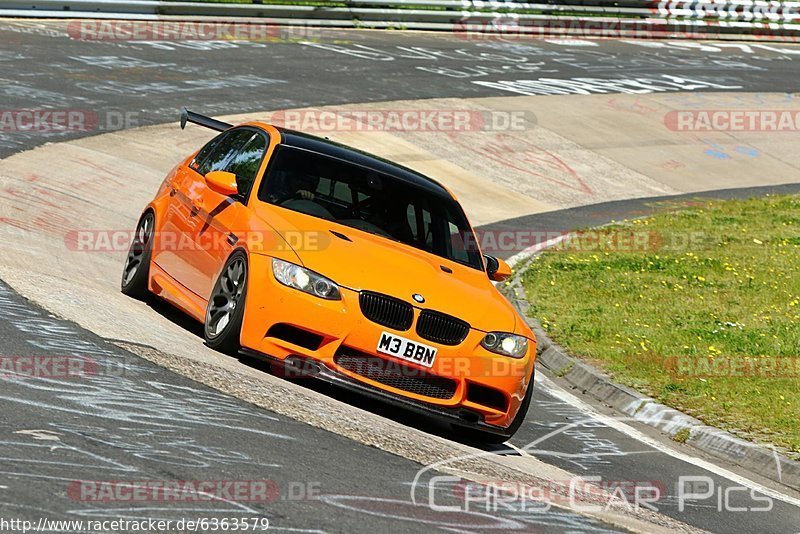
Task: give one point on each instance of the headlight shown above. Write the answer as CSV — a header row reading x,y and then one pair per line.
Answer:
x,y
506,344
301,278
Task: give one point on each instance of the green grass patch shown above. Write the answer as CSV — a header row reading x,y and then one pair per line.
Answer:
x,y
682,435
691,307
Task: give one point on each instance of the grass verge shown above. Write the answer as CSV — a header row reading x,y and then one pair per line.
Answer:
x,y
699,308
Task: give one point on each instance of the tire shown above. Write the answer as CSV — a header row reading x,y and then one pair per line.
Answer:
x,y
482,436
225,311
136,271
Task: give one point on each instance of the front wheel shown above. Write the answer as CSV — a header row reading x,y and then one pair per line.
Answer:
x,y
225,311
136,272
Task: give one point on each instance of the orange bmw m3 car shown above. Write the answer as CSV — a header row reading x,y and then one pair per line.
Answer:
x,y
330,262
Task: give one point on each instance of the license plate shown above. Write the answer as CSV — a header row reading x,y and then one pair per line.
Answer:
x,y
406,349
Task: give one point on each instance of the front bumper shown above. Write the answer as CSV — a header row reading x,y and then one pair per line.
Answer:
x,y
297,367
339,326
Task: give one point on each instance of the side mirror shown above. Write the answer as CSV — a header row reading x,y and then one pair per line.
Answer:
x,y
223,182
497,269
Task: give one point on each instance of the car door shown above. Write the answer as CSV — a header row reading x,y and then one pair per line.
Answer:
x,y
218,219
176,235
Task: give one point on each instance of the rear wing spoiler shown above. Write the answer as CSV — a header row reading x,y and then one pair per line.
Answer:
x,y
202,120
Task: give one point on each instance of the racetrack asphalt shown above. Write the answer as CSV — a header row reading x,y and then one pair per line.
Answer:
x,y
145,83
128,422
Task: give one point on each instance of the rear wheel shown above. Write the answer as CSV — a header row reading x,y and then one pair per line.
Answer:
x,y
225,310
136,271
482,436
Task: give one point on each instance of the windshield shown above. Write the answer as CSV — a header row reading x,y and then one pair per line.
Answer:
x,y
374,202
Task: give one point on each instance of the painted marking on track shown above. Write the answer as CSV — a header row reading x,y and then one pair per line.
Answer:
x,y
530,251
42,435
363,504
517,449
571,42
554,390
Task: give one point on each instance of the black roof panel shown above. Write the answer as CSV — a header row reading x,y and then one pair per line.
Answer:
x,y
359,157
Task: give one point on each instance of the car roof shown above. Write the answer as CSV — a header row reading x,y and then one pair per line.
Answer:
x,y
336,150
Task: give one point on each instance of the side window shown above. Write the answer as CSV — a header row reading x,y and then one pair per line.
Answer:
x,y
325,186
419,220
245,163
458,245
225,146
341,191
205,151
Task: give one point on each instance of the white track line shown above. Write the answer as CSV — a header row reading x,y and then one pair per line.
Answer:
x,y
530,251
515,448
554,390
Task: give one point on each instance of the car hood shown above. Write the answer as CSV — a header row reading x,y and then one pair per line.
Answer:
x,y
362,261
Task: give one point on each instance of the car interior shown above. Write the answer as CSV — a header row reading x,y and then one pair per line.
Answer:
x,y
362,198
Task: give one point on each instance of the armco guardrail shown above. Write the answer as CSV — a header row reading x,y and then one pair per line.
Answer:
x,y
508,19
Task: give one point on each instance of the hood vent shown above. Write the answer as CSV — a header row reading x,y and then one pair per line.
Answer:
x,y
341,236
